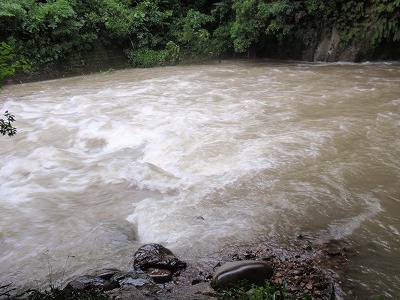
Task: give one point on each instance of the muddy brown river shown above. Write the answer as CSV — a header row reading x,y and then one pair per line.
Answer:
x,y
198,157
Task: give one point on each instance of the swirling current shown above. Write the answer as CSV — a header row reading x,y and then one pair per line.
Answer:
x,y
198,157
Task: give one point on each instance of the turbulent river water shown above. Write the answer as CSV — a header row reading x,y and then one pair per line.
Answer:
x,y
198,157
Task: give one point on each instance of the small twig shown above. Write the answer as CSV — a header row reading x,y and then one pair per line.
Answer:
x,y
7,292
4,286
65,268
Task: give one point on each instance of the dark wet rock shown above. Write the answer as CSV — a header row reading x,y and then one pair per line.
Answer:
x,y
140,285
156,256
88,282
159,275
308,269
127,293
238,272
105,273
132,279
334,248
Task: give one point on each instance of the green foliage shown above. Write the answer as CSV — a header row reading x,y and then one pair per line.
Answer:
x,y
6,126
222,41
60,32
138,26
192,26
151,28
8,66
46,33
113,16
11,13
385,21
281,15
223,16
194,36
55,34
266,292
284,23
247,27
146,58
8,62
367,24
173,53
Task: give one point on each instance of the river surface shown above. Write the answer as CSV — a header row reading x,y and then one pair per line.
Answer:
x,y
198,157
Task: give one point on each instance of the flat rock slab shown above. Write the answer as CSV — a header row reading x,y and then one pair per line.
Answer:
x,y
246,272
133,279
88,282
159,275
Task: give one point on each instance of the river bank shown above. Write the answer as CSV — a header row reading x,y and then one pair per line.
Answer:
x,y
305,267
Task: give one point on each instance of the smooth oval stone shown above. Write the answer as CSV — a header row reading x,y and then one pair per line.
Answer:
x,y
246,272
105,273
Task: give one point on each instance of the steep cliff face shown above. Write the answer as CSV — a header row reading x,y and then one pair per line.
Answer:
x,y
327,47
330,49
333,48
351,31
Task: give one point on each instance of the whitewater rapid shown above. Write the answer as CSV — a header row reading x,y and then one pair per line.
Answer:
x,y
198,157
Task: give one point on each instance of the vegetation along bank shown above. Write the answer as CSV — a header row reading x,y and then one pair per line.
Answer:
x,y
59,37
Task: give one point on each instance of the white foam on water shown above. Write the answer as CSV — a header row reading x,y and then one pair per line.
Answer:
x,y
343,228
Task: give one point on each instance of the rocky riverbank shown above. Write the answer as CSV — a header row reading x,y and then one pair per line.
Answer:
x,y
305,267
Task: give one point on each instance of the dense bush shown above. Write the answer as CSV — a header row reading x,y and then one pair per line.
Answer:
x,y
52,34
9,63
146,58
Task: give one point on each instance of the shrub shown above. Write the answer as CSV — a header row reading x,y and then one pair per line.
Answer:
x,y
6,126
9,64
146,58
